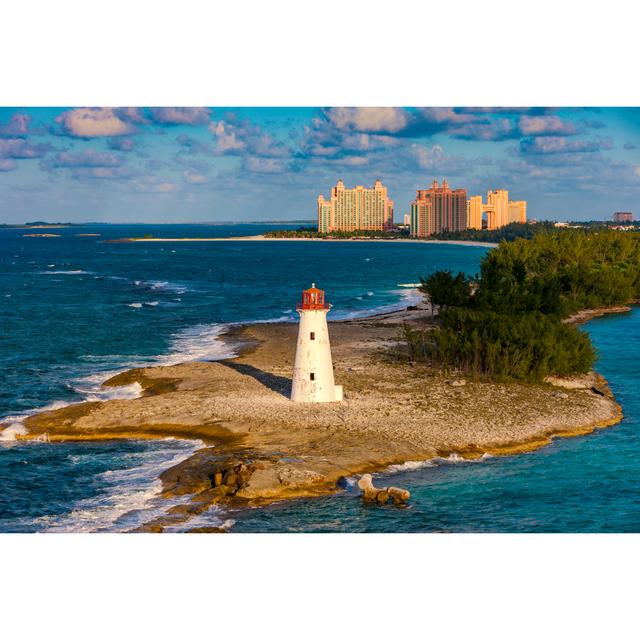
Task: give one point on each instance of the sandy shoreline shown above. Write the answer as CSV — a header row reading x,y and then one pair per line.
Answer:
x,y
262,238
274,449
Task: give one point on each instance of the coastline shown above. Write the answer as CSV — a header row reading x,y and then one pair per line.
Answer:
x,y
262,238
393,414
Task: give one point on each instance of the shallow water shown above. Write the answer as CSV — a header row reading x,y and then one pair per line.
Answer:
x,y
75,310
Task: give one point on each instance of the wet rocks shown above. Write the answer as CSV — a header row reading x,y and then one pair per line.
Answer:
x,y
381,495
204,474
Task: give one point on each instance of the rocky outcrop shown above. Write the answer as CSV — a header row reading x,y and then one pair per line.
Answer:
x,y
383,494
205,473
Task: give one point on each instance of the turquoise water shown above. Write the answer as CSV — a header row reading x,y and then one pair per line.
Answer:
x,y
75,310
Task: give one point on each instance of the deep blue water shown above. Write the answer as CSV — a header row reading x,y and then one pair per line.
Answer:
x,y
74,310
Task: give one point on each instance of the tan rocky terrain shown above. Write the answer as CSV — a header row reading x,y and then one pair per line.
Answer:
x,y
259,446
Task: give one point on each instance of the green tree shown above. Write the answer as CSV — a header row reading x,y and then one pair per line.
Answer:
x,y
444,289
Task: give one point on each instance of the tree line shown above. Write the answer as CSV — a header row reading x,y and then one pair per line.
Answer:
x,y
507,322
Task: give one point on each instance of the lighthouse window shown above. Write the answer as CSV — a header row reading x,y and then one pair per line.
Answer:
x,y
313,335
312,376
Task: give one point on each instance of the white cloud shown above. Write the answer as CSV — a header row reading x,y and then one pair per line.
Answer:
x,y
368,119
546,125
192,177
88,122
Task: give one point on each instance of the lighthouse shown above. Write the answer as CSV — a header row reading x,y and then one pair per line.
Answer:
x,y
313,370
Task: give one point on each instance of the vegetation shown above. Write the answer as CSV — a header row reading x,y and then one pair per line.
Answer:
x,y
508,323
443,289
509,232
312,232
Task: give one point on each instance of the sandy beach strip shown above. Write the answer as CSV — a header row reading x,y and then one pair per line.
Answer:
x,y
262,238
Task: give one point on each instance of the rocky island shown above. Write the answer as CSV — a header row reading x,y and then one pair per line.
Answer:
x,y
258,446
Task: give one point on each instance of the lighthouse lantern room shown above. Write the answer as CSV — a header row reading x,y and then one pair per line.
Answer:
x,y
313,379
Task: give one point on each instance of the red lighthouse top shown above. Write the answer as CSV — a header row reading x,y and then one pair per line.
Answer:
x,y
312,299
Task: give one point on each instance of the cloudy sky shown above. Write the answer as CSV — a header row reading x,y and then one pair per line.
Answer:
x,y
218,164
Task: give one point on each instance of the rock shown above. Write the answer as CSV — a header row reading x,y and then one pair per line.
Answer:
x,y
381,495
292,477
243,477
369,492
457,383
230,479
149,528
217,478
263,483
211,496
193,475
399,496
560,394
184,510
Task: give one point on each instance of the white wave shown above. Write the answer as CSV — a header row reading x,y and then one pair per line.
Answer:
x,y
410,465
9,433
135,305
153,303
162,285
70,272
200,342
16,426
127,497
410,285
406,297
453,458
370,293
100,394
212,517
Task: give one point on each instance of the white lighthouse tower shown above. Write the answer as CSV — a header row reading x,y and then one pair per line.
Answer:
x,y
313,370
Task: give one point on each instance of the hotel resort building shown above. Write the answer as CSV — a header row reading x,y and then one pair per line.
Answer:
x,y
497,212
439,208
623,216
357,209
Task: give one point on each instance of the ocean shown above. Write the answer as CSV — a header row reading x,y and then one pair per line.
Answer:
x,y
75,310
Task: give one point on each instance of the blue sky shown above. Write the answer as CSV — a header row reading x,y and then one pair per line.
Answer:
x,y
183,164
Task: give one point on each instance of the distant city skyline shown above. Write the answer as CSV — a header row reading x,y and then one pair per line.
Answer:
x,y
197,164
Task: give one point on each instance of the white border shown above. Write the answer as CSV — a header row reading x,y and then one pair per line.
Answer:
x,y
294,53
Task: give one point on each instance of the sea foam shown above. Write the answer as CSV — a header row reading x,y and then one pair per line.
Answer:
x,y
127,497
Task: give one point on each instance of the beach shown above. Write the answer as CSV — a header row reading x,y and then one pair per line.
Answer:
x,y
392,413
263,238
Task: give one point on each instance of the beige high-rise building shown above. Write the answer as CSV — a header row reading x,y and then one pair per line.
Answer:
x,y
357,209
499,200
517,211
498,211
474,212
